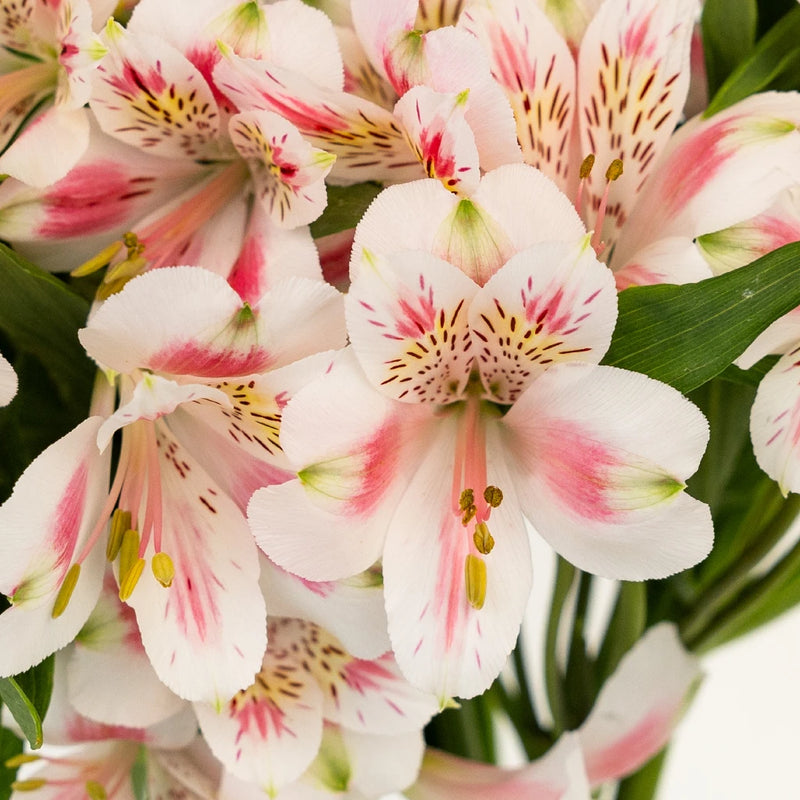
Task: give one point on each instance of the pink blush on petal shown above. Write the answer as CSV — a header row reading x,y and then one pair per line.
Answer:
x,y
191,358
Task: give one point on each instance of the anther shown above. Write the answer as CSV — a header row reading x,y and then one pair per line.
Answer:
x,y
95,791
614,170
612,173
483,539
120,522
66,590
586,166
466,500
130,565
128,583
163,569
30,785
493,496
475,580
20,759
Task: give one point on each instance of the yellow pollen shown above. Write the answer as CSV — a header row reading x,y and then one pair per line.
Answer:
x,y
66,590
614,170
484,541
130,565
163,569
128,583
467,499
20,759
493,496
586,166
120,522
28,786
95,791
475,580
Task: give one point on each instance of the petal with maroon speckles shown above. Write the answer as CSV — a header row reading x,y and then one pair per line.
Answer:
x,y
269,732
633,76
147,94
288,173
407,319
205,634
551,303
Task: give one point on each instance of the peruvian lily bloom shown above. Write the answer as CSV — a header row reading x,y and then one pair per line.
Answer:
x,y
8,382
47,53
202,378
464,407
312,700
618,103
633,718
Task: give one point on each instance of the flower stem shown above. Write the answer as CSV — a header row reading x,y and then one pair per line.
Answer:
x,y
565,574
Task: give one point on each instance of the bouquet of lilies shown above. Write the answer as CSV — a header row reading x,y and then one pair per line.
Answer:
x,y
329,330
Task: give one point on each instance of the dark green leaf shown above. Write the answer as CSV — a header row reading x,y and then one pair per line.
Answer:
x,y
40,316
346,206
10,745
27,696
729,33
686,335
774,63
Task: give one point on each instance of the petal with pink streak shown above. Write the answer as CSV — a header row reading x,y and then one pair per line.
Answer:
x,y
269,732
633,76
366,139
442,643
777,339
179,320
536,70
109,646
288,173
775,422
407,319
601,457
551,303
33,160
639,706
147,94
204,634
8,382
45,525
438,132
673,259
368,696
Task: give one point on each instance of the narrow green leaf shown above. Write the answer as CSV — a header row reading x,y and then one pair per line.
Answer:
x,y
10,745
686,335
625,627
39,315
27,696
774,63
139,776
346,206
729,33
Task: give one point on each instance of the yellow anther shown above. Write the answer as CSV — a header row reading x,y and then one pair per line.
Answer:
x,y
30,785
120,522
484,541
128,551
66,590
102,259
586,166
614,170
163,569
95,791
128,583
467,499
20,759
493,496
475,580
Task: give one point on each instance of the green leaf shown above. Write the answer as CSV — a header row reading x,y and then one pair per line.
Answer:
x,y
774,63
10,745
139,775
27,697
346,206
752,376
40,316
729,33
686,335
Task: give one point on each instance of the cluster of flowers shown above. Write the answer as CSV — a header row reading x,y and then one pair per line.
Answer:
x,y
296,517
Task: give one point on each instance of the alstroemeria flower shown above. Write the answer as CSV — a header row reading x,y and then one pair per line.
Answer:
x,y
270,733
467,407
8,382
202,379
47,52
632,720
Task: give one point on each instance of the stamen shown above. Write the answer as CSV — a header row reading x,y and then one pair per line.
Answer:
x,y
20,759
493,496
483,540
31,785
120,522
475,580
584,172
127,585
95,791
66,590
163,569
612,173
130,565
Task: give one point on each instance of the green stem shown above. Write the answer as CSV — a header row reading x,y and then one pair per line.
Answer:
x,y
719,596
642,785
554,684
579,680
